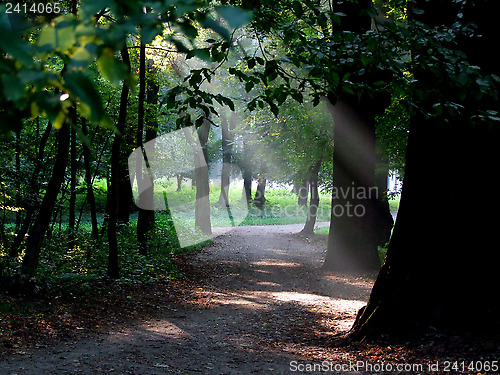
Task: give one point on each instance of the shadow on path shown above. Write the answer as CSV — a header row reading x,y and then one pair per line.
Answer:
x,y
260,302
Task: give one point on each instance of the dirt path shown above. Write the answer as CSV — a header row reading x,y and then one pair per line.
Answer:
x,y
261,302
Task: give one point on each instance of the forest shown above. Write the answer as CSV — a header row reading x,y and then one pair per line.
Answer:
x,y
140,136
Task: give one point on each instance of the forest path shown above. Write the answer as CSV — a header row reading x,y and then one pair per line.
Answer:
x,y
260,302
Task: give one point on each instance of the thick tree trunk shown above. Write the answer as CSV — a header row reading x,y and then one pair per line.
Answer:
x,y
353,238
314,200
303,192
42,221
438,273
441,268
354,230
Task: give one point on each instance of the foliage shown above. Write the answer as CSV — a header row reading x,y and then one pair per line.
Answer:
x,y
32,87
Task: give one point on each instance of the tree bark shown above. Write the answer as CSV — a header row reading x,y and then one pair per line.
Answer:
x,y
246,171
42,221
179,181
146,218
88,182
33,191
441,273
72,188
303,192
226,160
313,201
202,205
17,181
114,197
260,198
353,238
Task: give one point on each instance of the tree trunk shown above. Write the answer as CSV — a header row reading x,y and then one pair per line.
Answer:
x,y
441,273
246,171
146,218
33,190
386,222
88,182
42,221
114,197
438,273
314,200
202,205
72,182
260,198
303,192
353,237
226,160
179,181
17,181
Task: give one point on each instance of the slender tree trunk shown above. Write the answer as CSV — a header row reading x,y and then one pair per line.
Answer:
x,y
114,198
386,222
314,200
146,218
226,160
202,205
33,191
18,175
42,221
72,189
179,181
73,165
246,171
88,182
142,225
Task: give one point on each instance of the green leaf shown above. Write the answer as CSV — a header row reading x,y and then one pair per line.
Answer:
x,y
274,108
59,120
13,87
188,29
16,47
59,37
149,33
251,63
90,8
297,8
110,68
210,23
81,57
82,87
297,95
249,86
235,17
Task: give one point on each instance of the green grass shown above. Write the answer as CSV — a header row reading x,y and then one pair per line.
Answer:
x,y
87,260
280,208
